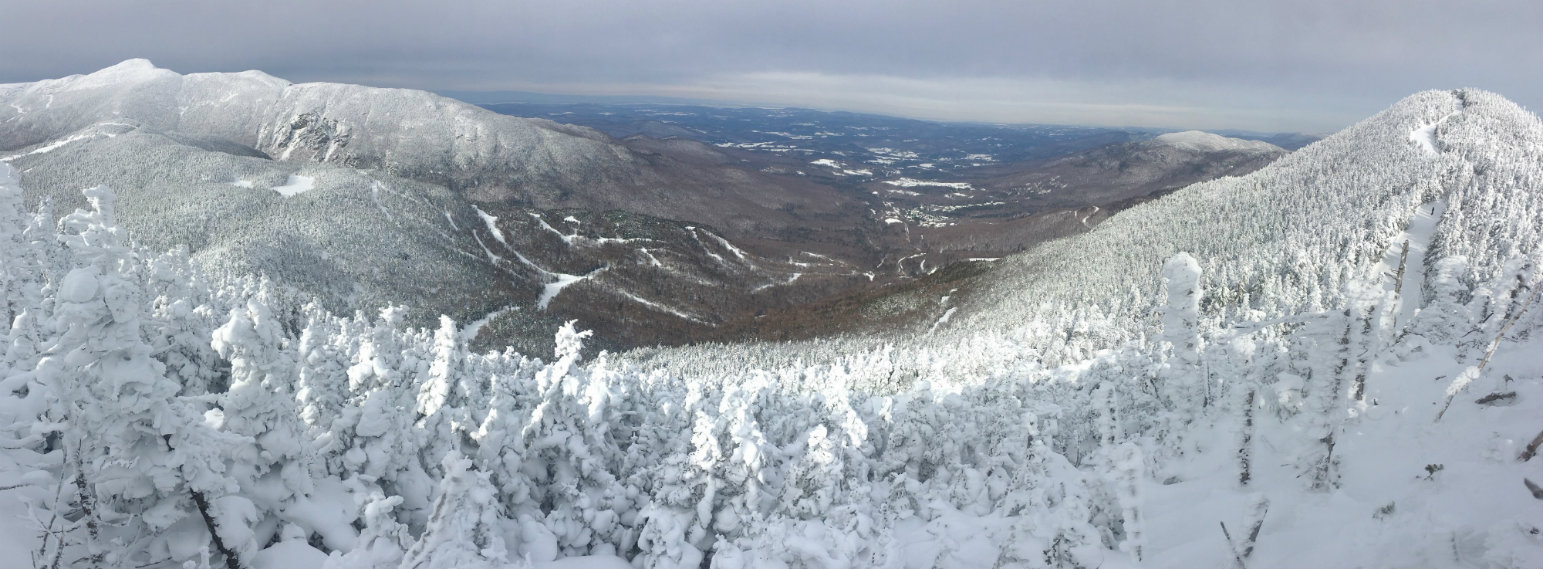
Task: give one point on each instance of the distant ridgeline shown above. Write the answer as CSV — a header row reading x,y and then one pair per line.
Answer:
x,y
1336,357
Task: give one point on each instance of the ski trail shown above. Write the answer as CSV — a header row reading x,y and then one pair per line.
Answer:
x,y
1411,294
563,280
710,253
1425,136
470,331
943,320
51,146
1084,219
661,307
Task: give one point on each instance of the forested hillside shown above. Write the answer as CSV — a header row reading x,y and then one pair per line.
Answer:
x,y
1330,362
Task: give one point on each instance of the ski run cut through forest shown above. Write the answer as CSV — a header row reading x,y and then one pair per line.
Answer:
x,y
1335,361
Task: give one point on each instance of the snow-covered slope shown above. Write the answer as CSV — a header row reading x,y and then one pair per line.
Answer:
x,y
1114,173
397,130
330,188
1346,295
1199,141
417,135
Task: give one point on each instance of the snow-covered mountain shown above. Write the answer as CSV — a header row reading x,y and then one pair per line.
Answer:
x,y
1114,173
409,133
1199,141
1341,344
1330,362
364,197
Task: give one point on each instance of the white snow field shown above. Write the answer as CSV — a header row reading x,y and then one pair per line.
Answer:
x,y
1200,141
1232,375
296,184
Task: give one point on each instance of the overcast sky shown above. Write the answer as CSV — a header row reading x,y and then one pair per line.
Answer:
x,y
1301,65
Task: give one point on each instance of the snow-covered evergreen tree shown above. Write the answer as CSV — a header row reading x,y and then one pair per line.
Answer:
x,y
465,529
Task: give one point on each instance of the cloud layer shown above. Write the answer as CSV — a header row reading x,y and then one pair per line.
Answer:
x,y
1307,65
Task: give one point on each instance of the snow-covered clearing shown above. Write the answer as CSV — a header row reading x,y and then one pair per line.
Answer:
x,y
297,184
1201,141
912,183
841,169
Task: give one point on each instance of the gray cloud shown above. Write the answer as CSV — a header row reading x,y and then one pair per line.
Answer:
x,y
1312,65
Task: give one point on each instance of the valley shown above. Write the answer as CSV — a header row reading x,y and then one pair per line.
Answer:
x,y
652,225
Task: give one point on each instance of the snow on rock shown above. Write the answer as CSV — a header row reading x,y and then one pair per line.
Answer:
x,y
1199,141
296,184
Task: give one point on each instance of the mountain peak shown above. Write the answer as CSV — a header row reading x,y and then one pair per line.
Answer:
x,y
126,72
130,68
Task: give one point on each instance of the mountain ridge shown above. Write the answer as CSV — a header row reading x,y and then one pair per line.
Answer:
x,y
1336,353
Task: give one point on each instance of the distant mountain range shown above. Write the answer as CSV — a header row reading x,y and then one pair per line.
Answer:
x,y
362,196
